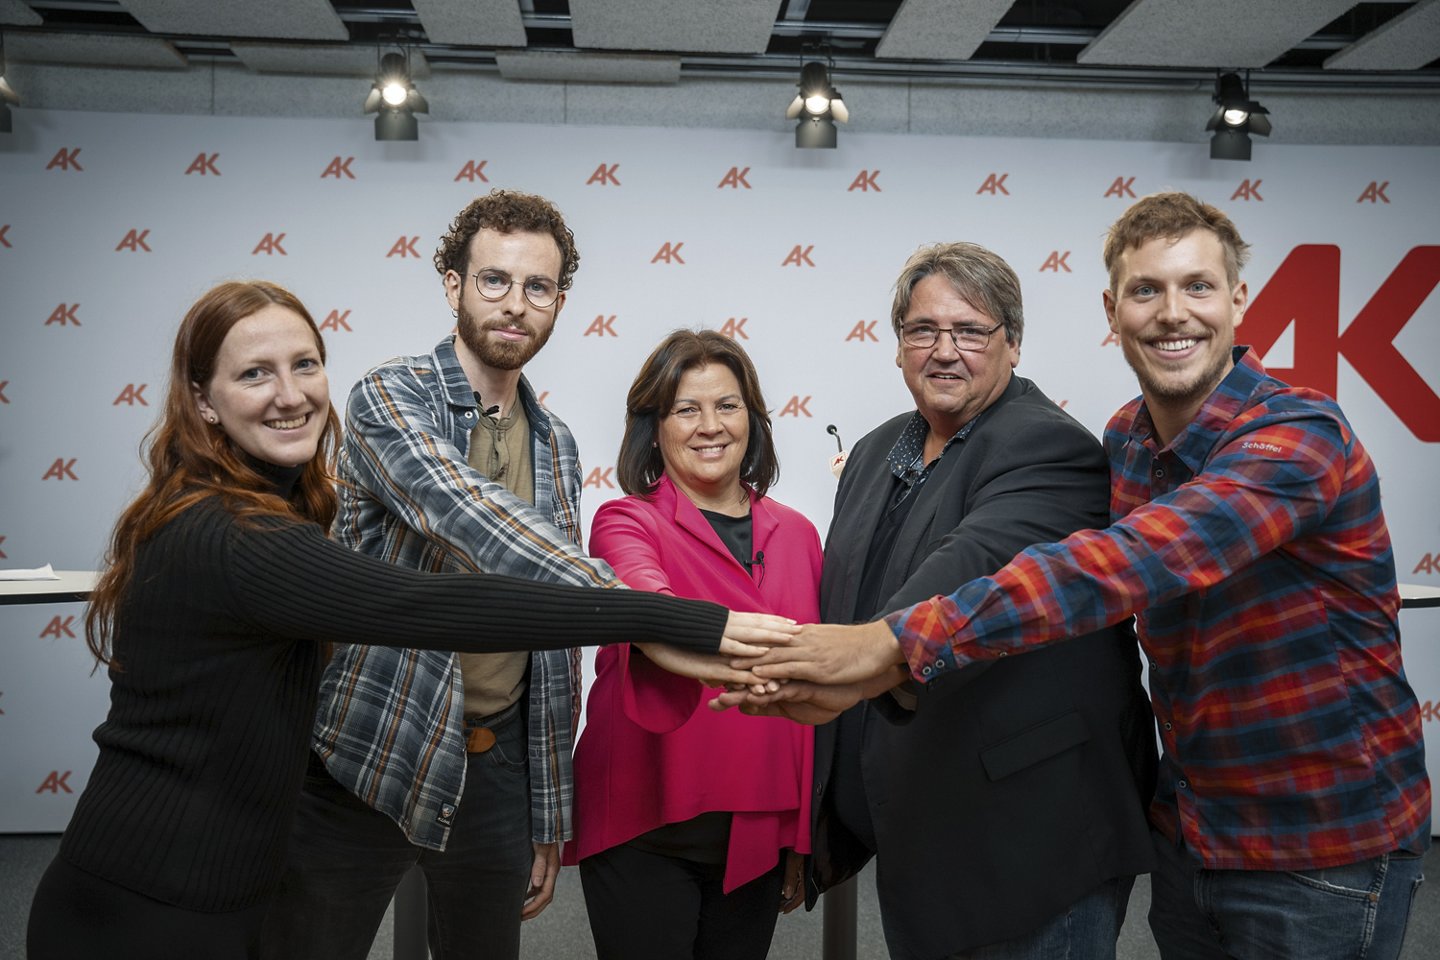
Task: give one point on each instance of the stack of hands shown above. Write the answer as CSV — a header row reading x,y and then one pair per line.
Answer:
x,y
771,666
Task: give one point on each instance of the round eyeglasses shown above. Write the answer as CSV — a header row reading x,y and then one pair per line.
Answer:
x,y
494,285
971,339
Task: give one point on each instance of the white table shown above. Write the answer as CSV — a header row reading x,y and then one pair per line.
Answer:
x,y
1419,595
70,586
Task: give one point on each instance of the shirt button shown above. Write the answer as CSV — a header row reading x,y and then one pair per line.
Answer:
x,y
1169,725
925,671
1182,784
469,414
1159,473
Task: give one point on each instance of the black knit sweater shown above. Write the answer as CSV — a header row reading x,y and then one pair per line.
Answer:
x,y
203,751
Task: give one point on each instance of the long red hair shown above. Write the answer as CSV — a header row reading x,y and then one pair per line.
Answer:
x,y
190,459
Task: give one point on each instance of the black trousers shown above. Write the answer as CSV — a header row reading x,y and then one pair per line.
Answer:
x,y
646,906
78,916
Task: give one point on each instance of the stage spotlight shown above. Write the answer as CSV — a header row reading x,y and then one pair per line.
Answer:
x,y
396,101
1236,117
7,93
817,105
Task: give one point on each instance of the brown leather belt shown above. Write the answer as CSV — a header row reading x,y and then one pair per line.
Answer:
x,y
480,731
479,739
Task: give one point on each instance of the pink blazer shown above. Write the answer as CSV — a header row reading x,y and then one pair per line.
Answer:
x,y
652,752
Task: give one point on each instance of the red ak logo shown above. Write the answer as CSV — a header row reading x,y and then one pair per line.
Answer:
x,y
865,181
270,245
799,257
339,169
1056,262
796,406
600,479
863,331
734,328
132,394
61,469
994,185
204,165
58,627
65,160
472,171
601,326
1122,187
55,783
1375,193
404,247
1305,290
134,241
604,175
64,315
337,321
669,253
735,179
1248,190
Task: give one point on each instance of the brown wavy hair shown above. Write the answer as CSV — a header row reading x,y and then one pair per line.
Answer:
x,y
651,396
507,211
1172,216
189,460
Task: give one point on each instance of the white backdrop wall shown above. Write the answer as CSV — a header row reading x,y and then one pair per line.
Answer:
x,y
111,224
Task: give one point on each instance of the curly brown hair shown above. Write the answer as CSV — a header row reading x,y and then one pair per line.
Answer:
x,y
507,211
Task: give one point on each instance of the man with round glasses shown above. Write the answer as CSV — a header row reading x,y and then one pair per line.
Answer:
x,y
457,762
1003,809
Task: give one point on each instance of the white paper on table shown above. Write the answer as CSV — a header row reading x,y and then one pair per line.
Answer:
x,y
35,573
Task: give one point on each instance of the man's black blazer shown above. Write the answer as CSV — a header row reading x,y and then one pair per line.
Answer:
x,y
1016,786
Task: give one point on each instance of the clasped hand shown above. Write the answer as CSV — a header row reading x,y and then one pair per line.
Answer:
x,y
808,674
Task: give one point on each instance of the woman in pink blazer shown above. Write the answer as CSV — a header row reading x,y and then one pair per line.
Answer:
x,y
690,824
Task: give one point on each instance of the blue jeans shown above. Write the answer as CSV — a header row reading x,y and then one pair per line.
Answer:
x,y
346,860
1359,910
1086,930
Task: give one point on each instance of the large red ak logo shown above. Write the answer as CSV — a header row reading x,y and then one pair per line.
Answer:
x,y
1305,290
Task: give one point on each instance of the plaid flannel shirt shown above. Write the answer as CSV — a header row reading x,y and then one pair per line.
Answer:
x,y
1253,551
390,726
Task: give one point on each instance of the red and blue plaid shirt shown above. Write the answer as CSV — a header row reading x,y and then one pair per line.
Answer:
x,y
1253,552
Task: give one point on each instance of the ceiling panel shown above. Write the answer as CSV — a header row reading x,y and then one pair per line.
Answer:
x,y
92,50
17,13
493,23
1408,42
940,29
561,67
280,19
1221,33
699,26
333,59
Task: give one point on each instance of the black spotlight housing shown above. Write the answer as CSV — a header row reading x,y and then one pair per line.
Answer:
x,y
817,106
8,96
395,100
1235,118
